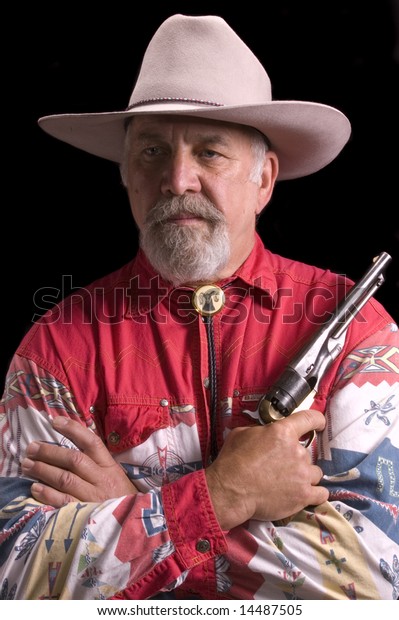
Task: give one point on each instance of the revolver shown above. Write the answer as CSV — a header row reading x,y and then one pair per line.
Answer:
x,y
298,383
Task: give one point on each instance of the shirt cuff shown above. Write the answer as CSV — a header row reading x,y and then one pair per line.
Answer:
x,y
192,523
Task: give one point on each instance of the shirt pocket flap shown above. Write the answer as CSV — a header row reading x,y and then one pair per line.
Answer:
x,y
128,425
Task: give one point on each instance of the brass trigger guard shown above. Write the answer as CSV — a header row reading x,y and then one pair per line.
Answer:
x,y
310,437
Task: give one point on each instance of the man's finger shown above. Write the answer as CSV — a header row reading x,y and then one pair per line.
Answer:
x,y
45,462
87,441
316,475
307,420
49,496
57,478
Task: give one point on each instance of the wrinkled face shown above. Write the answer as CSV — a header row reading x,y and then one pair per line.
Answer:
x,y
189,187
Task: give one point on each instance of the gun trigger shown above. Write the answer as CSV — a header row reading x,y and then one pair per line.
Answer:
x,y
252,414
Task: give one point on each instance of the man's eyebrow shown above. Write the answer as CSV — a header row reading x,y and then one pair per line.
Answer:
x,y
148,136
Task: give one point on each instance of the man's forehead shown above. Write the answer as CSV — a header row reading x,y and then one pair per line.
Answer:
x,y
163,123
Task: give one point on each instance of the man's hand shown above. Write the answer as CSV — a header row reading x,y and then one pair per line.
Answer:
x,y
263,472
89,474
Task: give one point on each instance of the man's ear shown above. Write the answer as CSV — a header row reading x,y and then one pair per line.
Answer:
x,y
268,180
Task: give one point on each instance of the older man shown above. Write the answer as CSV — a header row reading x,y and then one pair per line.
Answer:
x,y
152,375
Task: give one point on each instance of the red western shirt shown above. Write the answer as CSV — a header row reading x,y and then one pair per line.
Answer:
x,y
129,356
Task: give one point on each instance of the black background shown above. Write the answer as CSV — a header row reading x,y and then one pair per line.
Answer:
x,y
66,219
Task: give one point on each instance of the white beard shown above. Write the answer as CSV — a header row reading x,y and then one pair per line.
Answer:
x,y
184,254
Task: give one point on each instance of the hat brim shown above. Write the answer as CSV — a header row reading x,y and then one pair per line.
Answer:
x,y
306,136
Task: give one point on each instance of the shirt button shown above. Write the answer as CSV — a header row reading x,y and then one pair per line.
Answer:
x,y
203,545
114,438
206,383
164,402
236,393
92,409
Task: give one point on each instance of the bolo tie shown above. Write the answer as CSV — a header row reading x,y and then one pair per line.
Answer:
x,y
208,300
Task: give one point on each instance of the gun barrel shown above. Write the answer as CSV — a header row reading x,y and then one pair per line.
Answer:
x,y
361,292
302,375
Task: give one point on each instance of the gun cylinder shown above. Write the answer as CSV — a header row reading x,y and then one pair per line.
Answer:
x,y
284,397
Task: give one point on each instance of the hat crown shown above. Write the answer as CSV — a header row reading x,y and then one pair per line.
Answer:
x,y
200,59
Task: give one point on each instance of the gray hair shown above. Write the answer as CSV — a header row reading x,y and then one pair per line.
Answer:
x,y
259,146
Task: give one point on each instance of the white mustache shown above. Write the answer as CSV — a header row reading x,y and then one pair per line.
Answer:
x,y
195,206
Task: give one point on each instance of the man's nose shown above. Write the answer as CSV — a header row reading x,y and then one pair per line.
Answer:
x,y
180,175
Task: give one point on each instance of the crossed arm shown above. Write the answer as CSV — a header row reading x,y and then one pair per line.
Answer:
x,y
237,483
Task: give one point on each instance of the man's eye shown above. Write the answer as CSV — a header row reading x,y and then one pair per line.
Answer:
x,y
152,151
209,154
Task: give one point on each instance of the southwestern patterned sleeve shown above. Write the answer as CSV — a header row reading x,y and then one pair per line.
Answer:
x,y
83,550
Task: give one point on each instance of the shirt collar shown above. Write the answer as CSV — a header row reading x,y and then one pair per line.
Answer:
x,y
147,289
257,270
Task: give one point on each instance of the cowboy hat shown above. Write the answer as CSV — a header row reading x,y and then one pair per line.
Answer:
x,y
199,67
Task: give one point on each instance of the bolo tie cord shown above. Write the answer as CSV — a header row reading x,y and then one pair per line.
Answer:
x,y
207,300
213,385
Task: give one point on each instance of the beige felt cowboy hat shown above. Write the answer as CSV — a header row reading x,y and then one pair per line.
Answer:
x,y
198,66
